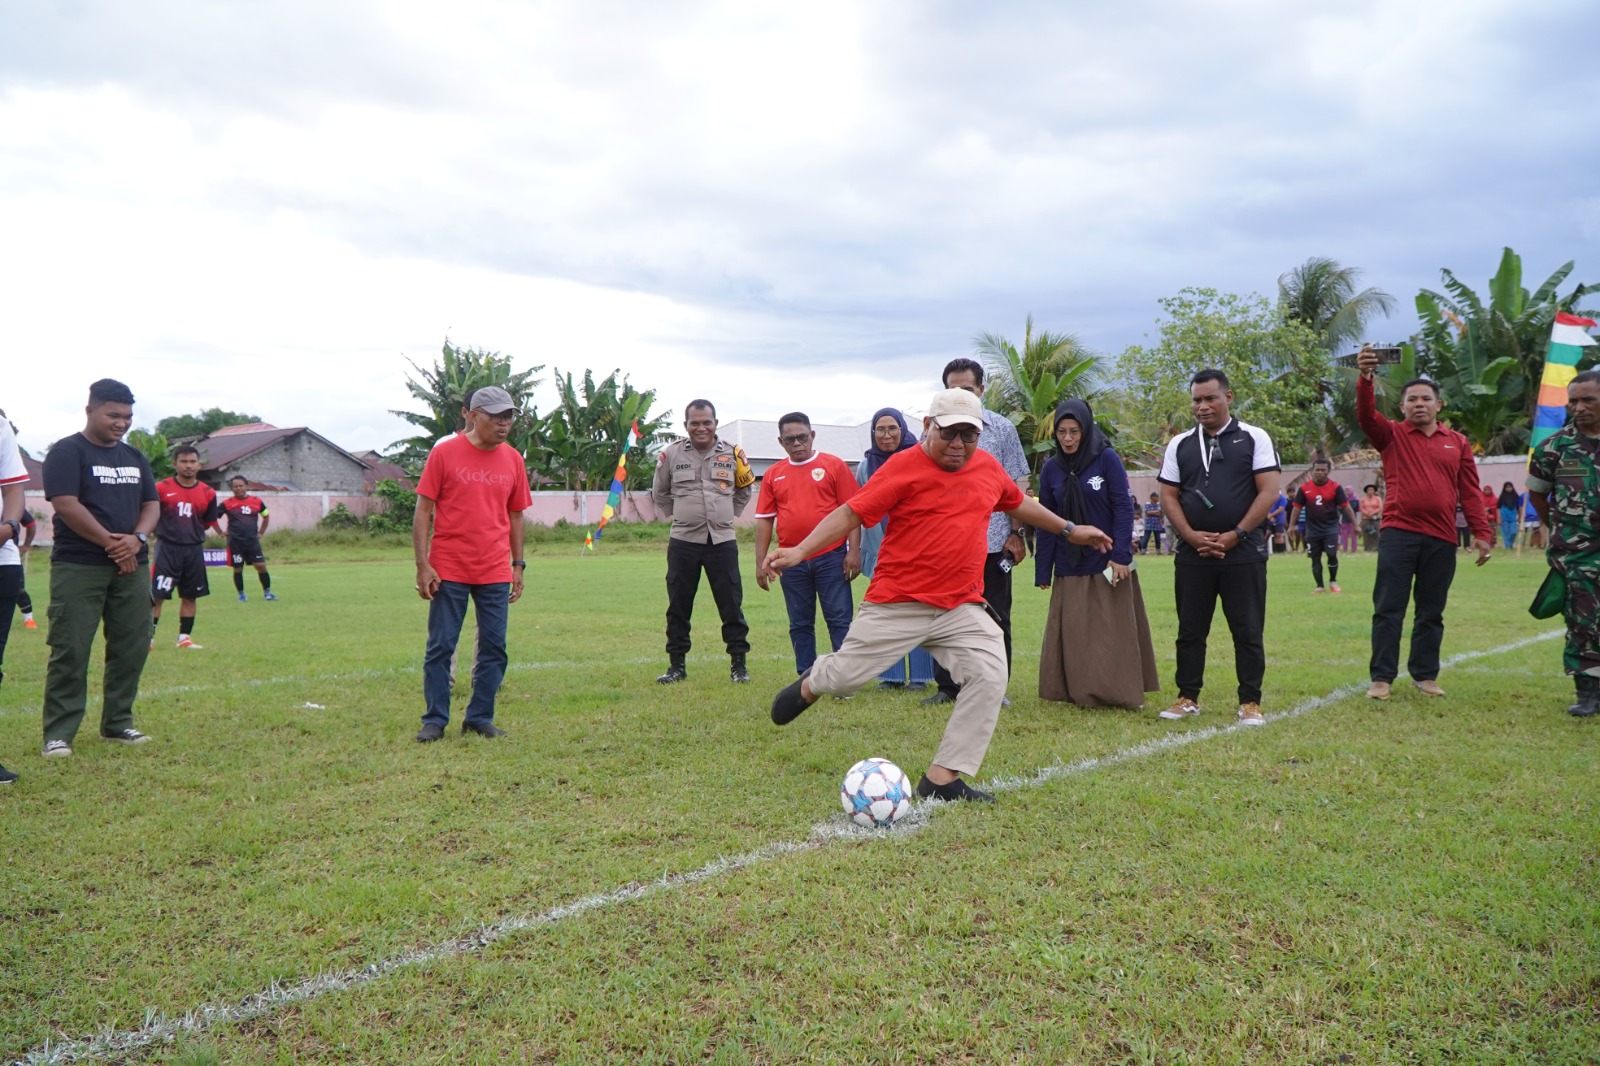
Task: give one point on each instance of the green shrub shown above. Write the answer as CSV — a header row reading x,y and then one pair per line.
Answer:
x,y
339,518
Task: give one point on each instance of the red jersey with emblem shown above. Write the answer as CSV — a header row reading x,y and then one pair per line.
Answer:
x,y
476,494
937,541
185,511
244,517
800,495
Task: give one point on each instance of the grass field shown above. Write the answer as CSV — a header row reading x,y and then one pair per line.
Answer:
x,y
1400,883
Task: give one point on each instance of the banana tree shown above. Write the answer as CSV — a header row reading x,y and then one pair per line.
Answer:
x,y
1027,385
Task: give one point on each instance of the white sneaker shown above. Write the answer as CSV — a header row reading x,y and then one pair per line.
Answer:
x,y
56,749
185,642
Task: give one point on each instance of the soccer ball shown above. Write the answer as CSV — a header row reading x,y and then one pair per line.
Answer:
x,y
875,793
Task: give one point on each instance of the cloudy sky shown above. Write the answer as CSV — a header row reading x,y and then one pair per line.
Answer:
x,y
270,206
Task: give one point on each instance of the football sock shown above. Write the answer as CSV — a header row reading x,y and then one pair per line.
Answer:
x,y
238,579
155,620
186,625
266,582
1333,571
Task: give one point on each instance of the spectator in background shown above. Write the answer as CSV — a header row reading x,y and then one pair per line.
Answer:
x,y
1278,518
1006,546
890,434
1507,507
702,484
796,493
1430,474
467,535
1153,520
1217,482
1371,517
13,479
105,510
1097,650
1347,524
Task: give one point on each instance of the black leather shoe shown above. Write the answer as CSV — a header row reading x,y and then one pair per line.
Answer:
x,y
429,732
737,672
487,729
938,698
789,704
955,790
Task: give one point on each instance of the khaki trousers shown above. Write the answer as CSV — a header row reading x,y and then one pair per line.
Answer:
x,y
965,641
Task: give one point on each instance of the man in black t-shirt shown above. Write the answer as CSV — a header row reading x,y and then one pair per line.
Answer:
x,y
1217,484
106,507
1323,502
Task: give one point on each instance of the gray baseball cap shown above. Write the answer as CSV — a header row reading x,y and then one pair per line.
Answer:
x,y
492,401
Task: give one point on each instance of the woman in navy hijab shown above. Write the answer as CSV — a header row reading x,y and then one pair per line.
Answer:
x,y
890,434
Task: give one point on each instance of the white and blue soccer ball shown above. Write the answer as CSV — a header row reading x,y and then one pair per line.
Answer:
x,y
875,793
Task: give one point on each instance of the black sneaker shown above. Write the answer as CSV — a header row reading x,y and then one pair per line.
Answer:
x,y
6,776
430,731
789,704
487,729
937,698
675,672
125,736
1588,706
737,672
955,790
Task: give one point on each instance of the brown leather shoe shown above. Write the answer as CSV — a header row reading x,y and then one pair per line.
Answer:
x,y
1378,690
1429,687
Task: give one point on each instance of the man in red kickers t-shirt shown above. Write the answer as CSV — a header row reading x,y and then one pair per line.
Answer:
x,y
467,535
928,586
797,493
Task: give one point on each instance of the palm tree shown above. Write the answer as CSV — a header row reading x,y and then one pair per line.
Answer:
x,y
1322,294
1026,385
444,389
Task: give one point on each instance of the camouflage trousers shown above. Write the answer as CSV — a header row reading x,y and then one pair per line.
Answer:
x,y
1581,654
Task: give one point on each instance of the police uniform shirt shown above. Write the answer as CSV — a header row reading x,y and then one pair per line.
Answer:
x,y
1216,482
702,493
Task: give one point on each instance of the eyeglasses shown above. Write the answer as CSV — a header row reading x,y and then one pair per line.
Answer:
x,y
967,434
886,431
798,438
503,416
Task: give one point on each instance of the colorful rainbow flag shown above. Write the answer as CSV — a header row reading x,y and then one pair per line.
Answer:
x,y
1567,342
614,500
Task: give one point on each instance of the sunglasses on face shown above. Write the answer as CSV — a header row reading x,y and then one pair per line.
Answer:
x,y
967,434
798,438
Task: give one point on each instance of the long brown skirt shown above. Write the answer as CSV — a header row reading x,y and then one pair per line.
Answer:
x,y
1097,650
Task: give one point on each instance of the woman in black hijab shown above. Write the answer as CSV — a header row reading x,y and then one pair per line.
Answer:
x,y
1097,650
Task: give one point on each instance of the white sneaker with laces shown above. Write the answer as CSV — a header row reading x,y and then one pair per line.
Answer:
x,y
56,749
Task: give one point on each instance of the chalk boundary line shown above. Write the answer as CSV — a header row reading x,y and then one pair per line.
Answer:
x,y
163,1028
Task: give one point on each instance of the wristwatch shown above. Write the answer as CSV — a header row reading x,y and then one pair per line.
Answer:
x,y
1239,532
1068,531
523,563
143,539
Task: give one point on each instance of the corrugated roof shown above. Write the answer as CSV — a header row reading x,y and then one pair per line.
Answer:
x,y
759,439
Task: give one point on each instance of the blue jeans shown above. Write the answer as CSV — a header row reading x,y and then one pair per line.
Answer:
x,y
820,578
446,611
920,669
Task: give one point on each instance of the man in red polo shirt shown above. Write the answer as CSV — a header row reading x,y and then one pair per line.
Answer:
x,y
1429,470
467,536
928,586
796,494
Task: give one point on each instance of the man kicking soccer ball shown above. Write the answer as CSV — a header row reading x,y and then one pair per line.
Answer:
x,y
927,588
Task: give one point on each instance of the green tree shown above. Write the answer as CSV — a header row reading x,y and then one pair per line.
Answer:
x,y
155,449
174,427
1488,356
1027,385
1279,369
443,390
1321,295
583,435
399,507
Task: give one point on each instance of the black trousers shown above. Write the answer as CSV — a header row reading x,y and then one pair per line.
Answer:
x,y
1243,592
1323,541
996,590
10,587
685,560
1408,560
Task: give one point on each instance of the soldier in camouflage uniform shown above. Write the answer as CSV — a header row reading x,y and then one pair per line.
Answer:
x,y
1564,488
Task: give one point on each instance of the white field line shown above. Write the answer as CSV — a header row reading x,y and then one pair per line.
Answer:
x,y
162,1028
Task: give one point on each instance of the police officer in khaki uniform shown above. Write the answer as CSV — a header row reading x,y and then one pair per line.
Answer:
x,y
701,483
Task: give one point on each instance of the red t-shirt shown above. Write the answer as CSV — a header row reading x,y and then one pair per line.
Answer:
x,y
937,541
800,495
475,493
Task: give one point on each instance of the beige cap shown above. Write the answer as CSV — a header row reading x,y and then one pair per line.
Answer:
x,y
956,407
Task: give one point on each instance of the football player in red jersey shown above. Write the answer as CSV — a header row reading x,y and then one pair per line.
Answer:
x,y
187,507
247,524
